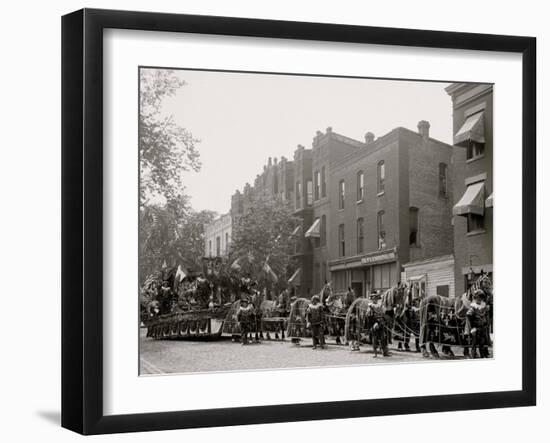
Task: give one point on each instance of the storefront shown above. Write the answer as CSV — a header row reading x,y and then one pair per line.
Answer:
x,y
366,273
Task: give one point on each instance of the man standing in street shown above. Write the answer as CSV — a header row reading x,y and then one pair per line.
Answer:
x,y
314,317
245,317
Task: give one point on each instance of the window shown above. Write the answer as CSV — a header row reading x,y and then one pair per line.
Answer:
x,y
442,290
323,230
474,222
474,150
341,241
443,180
309,189
360,186
226,241
413,226
210,248
381,177
317,185
323,183
275,185
218,246
341,194
381,231
360,236
298,195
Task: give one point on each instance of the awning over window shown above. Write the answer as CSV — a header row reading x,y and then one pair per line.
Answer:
x,y
473,200
296,230
489,201
315,229
471,130
295,279
417,277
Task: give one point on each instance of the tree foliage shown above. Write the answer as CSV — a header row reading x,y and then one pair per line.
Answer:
x,y
166,150
171,233
265,230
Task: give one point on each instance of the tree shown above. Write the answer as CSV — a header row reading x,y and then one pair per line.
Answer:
x,y
166,150
265,233
171,233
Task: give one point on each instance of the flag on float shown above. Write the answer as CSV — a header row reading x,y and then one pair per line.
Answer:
x,y
181,273
235,265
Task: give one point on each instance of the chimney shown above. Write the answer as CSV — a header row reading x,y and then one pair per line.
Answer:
x,y
424,129
369,138
329,129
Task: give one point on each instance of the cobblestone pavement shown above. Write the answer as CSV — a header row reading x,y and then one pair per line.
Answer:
x,y
166,356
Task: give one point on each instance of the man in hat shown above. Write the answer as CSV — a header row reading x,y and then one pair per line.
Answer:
x,y
376,318
314,318
245,317
477,317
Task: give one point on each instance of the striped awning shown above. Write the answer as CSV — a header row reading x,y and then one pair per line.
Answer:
x,y
471,130
473,200
314,230
295,279
489,201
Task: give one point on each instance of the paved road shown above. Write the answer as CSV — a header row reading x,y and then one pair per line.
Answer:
x,y
163,356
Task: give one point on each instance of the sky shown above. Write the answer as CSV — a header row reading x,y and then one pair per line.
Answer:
x,y
242,119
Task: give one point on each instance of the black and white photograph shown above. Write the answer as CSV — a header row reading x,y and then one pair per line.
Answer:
x,y
298,221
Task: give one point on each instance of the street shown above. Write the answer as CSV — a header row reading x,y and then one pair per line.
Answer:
x,y
171,356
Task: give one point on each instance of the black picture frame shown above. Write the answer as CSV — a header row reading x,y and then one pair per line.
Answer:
x,y
82,220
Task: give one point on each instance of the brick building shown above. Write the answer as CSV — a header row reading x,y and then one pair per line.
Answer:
x,y
377,205
472,180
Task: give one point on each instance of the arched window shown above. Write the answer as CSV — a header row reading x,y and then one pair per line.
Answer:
x,y
381,177
381,231
317,186
341,241
443,180
323,183
341,194
360,186
413,227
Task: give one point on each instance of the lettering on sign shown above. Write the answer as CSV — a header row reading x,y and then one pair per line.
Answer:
x,y
377,258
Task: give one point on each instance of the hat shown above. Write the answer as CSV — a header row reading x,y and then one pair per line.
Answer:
x,y
479,293
375,295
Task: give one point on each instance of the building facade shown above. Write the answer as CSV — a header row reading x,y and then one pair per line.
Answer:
x,y
377,205
472,181
434,276
217,236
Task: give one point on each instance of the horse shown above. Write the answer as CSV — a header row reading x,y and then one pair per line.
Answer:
x,y
297,322
273,319
363,314
335,315
444,320
407,320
